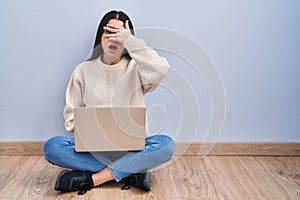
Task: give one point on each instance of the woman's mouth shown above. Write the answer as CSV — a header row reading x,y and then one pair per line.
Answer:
x,y
112,48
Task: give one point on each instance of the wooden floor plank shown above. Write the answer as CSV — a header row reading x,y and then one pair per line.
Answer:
x,y
284,171
296,167
19,177
6,174
50,193
188,177
43,174
224,179
246,180
286,167
265,178
163,184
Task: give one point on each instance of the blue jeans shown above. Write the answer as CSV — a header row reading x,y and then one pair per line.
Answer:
x,y
60,150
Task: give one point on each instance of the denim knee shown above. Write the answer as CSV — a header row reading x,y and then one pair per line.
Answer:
x,y
167,147
50,148
47,149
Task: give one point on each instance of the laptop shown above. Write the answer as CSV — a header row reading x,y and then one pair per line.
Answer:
x,y
109,129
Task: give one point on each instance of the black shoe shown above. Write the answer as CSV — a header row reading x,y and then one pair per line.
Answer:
x,y
74,180
140,180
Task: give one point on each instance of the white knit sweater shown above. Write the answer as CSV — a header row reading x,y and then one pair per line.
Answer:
x,y
94,84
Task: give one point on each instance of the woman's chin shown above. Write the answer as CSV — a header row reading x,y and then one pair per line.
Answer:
x,y
112,53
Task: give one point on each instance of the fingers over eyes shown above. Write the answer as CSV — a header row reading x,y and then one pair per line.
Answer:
x,y
110,29
111,35
113,39
116,26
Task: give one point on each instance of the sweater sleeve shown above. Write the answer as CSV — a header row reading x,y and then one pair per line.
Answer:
x,y
73,99
152,67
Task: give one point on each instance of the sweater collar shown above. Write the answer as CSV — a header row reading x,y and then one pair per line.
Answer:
x,y
119,66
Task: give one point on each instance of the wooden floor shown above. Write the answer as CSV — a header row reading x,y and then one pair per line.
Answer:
x,y
187,177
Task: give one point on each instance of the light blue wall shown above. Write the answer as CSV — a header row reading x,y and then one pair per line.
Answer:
x,y
255,44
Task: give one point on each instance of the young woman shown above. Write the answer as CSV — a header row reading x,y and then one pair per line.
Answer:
x,y
119,60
